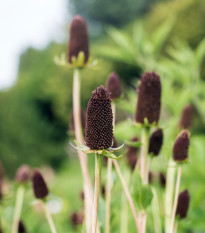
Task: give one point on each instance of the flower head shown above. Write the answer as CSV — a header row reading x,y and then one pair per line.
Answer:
x,y
114,86
21,227
99,122
186,117
149,98
39,185
155,142
78,41
131,154
162,179
23,174
181,146
183,204
76,218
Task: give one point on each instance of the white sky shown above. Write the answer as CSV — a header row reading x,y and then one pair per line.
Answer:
x,y
26,23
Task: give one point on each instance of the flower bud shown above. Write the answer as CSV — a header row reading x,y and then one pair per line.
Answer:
x,y
76,218
162,179
186,117
23,174
181,146
155,142
78,41
99,122
183,204
39,185
131,154
149,98
114,86
21,227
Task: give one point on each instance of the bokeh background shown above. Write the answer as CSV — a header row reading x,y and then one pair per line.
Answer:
x,y
129,37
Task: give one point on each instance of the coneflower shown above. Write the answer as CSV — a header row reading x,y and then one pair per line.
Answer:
x,y
21,227
39,185
155,142
131,154
23,174
149,98
181,146
162,179
186,117
99,122
114,86
78,41
183,204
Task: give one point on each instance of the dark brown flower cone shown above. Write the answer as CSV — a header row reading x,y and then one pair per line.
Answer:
x,y
149,98
82,115
181,146
131,154
186,117
76,218
99,122
162,179
114,86
39,185
23,174
78,41
21,227
155,142
183,204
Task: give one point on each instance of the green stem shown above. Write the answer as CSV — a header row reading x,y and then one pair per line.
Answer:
x,y
98,166
176,198
49,218
18,208
156,212
82,157
169,193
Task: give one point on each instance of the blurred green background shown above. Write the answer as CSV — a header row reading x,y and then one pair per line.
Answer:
x,y
130,38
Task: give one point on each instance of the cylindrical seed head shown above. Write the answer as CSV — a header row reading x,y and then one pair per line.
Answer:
x,y
155,142
99,122
131,154
39,185
23,174
181,146
183,204
114,86
186,117
149,98
21,227
78,41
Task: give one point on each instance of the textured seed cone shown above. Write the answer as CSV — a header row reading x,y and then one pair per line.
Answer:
x,y
39,185
162,179
114,86
78,41
76,218
82,115
183,204
99,126
149,98
181,146
186,117
155,142
21,227
23,174
131,154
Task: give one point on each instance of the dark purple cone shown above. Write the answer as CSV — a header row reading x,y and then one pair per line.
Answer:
x,y
162,179
39,185
99,122
21,227
131,154
76,218
186,117
183,204
78,41
149,98
114,86
82,115
181,146
155,142
23,174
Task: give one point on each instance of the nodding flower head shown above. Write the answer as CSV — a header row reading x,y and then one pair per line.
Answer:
x,y
186,117
181,146
99,122
39,185
183,204
23,174
149,98
114,86
155,142
78,41
21,227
